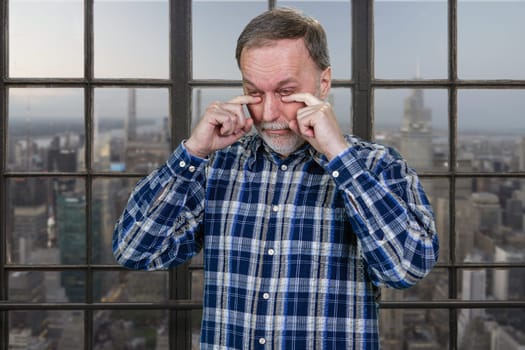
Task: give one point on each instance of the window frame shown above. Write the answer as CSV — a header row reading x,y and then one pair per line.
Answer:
x,y
180,85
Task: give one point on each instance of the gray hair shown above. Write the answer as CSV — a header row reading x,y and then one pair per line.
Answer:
x,y
285,23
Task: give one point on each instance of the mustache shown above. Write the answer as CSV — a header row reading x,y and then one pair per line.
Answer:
x,y
274,126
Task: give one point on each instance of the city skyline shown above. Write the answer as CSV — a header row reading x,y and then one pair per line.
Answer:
x,y
410,41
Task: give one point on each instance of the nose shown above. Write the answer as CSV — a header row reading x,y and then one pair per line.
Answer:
x,y
271,108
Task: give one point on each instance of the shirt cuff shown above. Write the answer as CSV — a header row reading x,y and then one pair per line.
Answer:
x,y
346,167
185,165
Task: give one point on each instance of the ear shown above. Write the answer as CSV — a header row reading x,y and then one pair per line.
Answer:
x,y
325,82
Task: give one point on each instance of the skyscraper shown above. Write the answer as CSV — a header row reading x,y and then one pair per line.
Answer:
x,y
416,132
522,154
131,119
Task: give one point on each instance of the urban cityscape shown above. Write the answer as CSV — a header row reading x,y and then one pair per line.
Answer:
x,y
47,221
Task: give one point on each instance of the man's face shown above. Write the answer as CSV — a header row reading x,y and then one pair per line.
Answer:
x,y
282,68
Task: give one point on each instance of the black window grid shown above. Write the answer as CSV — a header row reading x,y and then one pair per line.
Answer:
x,y
180,85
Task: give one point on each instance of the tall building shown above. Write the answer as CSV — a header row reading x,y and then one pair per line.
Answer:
x,y
473,287
148,149
487,211
416,132
522,154
131,119
71,232
26,218
508,283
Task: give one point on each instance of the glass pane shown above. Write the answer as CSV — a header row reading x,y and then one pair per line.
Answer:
x,y
196,316
490,219
336,18
131,329
341,101
415,122
46,220
131,129
46,330
486,48
433,287
202,97
493,284
45,129
437,191
410,39
130,286
46,286
478,328
214,50
491,130
131,39
197,285
46,38
109,199
521,154
414,329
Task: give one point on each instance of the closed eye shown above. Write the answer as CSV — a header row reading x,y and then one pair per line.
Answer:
x,y
286,92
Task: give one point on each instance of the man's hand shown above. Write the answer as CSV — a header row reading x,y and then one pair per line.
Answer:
x,y
316,122
222,124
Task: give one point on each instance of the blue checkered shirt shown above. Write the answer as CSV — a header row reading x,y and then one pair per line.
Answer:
x,y
295,249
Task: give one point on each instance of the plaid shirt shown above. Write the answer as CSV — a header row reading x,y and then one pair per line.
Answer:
x,y
294,249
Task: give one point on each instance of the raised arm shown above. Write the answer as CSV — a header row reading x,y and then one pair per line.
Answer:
x,y
389,212
162,222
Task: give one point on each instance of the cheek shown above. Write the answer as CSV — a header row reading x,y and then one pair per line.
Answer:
x,y
255,111
290,110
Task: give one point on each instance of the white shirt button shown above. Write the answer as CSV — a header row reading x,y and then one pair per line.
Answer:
x,y
275,208
262,341
191,169
271,251
335,173
182,164
284,167
266,296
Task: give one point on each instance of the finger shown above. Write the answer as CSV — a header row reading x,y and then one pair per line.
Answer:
x,y
226,125
235,111
294,126
306,128
306,98
245,99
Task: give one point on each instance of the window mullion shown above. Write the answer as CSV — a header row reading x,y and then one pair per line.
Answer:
x,y
362,67
88,114
3,113
453,78
180,109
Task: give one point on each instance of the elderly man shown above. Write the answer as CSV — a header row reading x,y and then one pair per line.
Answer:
x,y
300,224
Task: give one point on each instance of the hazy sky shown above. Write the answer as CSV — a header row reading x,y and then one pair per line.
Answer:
x,y
131,40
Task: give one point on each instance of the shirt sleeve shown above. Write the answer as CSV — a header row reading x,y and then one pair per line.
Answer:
x,y
161,225
390,214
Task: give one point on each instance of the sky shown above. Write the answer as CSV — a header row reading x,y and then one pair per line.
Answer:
x,y
131,40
